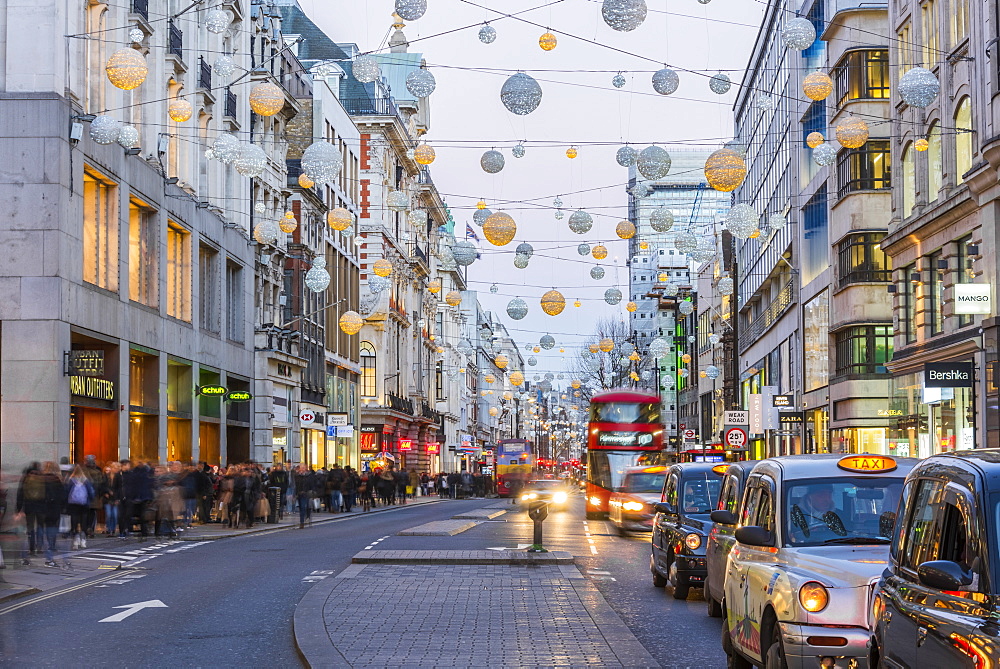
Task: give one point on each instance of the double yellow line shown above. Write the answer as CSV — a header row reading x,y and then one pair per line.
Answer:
x,y
64,591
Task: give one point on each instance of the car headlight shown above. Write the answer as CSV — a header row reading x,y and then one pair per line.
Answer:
x,y
693,541
595,501
633,506
529,495
559,497
813,597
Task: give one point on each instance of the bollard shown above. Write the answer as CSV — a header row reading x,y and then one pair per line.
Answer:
x,y
537,511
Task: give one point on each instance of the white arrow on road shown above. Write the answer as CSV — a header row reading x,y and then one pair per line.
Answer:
x,y
519,547
131,609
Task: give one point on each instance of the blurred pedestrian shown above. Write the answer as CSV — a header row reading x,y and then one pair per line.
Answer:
x,y
279,479
305,486
112,497
137,494
30,501
99,482
51,508
79,495
365,492
349,488
412,483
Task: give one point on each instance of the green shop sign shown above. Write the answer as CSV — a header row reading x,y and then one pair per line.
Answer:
x,y
238,396
212,391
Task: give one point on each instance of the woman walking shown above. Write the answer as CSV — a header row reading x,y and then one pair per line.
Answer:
x,y
79,495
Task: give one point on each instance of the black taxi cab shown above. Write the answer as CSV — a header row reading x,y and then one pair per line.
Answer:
x,y
812,542
722,537
681,524
938,603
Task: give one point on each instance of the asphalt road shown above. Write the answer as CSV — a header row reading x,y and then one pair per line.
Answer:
x,y
231,601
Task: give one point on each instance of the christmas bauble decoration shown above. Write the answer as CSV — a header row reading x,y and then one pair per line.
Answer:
x,y
599,252
814,139
180,110
521,94
920,145
520,261
661,219
581,222
742,221
322,161
317,278
382,267
547,342
714,339
411,10
852,133
287,223
918,87
704,251
626,156
653,162
501,361
424,154
583,249
487,34
266,99
351,322
251,161
525,249
612,296
126,69
725,170
376,283
553,302
824,154
453,298
597,272
686,308
798,34
712,372
494,288
685,241
572,152
532,360
128,136
631,306
417,218
624,15
266,232
305,181
464,252
625,230
658,347
517,308
224,67
499,229
719,84
665,81
618,80
226,148
776,221
339,218
492,162
135,36
547,41
817,86
516,379
764,103
518,150
397,200
607,345
218,20
480,215
366,69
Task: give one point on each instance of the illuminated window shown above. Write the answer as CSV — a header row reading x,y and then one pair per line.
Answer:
x,y
909,299
864,168
864,349
143,265
100,231
368,360
862,260
862,75
963,139
178,272
934,294
964,273
909,181
935,169
208,288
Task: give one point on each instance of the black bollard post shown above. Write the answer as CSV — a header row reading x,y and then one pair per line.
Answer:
x,y
537,511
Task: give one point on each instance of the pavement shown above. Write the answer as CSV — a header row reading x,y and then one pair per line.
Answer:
x,y
459,606
105,555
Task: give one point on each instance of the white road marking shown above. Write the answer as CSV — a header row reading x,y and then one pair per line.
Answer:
x,y
132,609
593,549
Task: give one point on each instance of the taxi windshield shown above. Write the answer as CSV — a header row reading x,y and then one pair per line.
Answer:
x,y
644,482
841,511
700,495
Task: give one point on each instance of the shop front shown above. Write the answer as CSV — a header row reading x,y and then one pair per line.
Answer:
x,y
89,368
935,410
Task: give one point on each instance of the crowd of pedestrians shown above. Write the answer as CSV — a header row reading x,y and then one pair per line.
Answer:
x,y
139,498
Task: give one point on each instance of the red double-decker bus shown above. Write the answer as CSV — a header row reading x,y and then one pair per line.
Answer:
x,y
624,431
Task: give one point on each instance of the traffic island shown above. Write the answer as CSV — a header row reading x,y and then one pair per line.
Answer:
x,y
473,557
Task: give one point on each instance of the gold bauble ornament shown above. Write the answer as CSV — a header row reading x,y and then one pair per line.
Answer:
x,y
814,139
339,219
625,230
434,286
494,411
382,267
599,252
577,303
516,378
266,99
643,246
553,302
489,378
481,205
634,376
755,234
607,345
572,153
547,41
288,225
351,322
575,383
852,133
305,181
921,144
424,154
725,170
817,86
663,277
453,298
631,306
536,348
635,357
126,69
501,361
686,358
499,228
180,110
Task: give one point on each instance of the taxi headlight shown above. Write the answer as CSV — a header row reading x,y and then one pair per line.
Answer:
x,y
595,501
559,497
693,541
529,495
813,597
633,506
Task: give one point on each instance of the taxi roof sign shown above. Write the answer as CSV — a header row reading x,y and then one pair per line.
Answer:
x,y
655,469
867,464
721,469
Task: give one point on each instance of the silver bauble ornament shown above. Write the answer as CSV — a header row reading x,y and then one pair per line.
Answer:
x,y
521,94
612,296
420,83
661,220
624,15
597,272
581,222
720,84
626,156
492,162
653,162
918,87
665,81
366,69
517,308
487,34
798,34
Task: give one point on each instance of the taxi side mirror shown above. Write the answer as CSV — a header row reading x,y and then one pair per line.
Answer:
x,y
943,575
664,507
754,535
723,517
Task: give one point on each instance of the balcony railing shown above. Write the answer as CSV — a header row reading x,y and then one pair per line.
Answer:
x,y
204,74
141,7
370,107
230,103
419,255
769,317
397,403
176,39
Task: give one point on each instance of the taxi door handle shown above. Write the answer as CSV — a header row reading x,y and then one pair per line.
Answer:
x,y
921,636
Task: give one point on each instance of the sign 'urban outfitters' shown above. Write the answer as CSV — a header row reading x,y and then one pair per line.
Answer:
x,y
88,386
948,375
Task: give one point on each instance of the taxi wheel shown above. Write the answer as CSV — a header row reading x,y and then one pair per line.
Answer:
x,y
621,531
714,607
658,580
774,658
733,659
681,591
681,588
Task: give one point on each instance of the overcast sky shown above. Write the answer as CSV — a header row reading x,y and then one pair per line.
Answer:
x,y
579,106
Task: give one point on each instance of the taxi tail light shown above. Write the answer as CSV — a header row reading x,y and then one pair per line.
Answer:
x,y
826,641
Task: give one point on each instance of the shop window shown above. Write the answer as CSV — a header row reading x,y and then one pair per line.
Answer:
x,y
208,288
143,243
100,231
235,327
963,139
935,293
964,272
862,260
909,298
909,180
864,349
935,169
864,168
368,367
930,53
178,272
862,75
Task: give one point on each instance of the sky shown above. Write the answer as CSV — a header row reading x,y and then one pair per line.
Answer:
x,y
579,107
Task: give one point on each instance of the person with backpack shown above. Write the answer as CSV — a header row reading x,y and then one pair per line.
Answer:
x,y
30,501
51,508
79,494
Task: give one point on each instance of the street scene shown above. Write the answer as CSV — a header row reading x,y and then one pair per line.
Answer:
x,y
481,333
